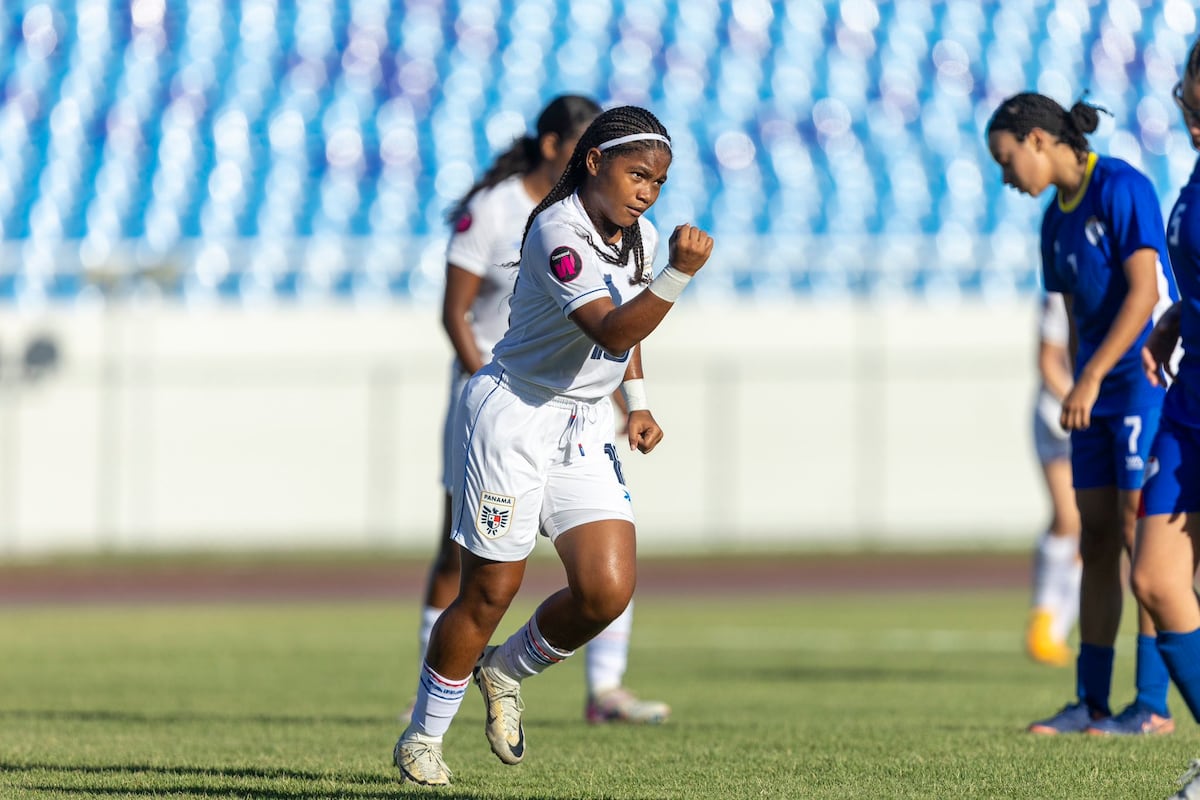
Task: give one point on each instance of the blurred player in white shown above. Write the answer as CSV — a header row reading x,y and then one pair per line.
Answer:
x,y
488,224
533,450
1057,569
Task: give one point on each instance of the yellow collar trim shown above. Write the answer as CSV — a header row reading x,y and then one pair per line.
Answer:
x,y
1087,179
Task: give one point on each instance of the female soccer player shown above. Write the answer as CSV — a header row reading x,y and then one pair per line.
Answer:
x,y
532,442
1168,547
488,223
1056,570
1104,249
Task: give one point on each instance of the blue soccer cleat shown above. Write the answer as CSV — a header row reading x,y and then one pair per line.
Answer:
x,y
1074,718
1134,720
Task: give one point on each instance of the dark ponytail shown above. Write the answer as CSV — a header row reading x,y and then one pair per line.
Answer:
x,y
1023,112
563,116
612,124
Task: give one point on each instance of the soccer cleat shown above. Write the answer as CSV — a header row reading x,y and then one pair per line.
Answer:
x,y
419,759
1134,720
1073,718
1190,783
1040,643
622,705
502,698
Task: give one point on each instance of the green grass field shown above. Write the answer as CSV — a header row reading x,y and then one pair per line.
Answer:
x,y
892,696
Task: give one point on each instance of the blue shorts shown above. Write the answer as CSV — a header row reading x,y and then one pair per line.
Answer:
x,y
1113,451
1173,471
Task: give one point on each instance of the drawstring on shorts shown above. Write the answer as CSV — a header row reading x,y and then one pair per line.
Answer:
x,y
582,415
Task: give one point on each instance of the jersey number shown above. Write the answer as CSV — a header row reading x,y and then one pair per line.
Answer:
x,y
1176,224
1135,430
600,352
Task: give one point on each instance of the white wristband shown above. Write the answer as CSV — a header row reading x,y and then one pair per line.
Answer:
x,y
634,392
669,284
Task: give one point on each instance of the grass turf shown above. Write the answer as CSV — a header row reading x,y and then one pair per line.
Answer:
x,y
889,696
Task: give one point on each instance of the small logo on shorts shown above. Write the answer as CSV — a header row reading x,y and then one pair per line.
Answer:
x,y
495,514
1134,463
565,264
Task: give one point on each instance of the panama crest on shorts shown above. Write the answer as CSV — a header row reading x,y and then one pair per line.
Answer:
x,y
495,514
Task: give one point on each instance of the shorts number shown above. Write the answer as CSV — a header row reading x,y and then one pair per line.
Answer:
x,y
1135,430
611,449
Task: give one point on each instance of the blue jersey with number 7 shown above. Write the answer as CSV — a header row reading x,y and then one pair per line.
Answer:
x,y
1084,248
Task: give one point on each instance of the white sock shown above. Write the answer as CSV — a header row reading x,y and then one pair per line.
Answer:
x,y
607,655
1054,558
527,653
429,615
1069,577
1057,572
438,699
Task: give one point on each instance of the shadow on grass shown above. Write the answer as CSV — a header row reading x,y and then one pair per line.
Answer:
x,y
95,781
105,715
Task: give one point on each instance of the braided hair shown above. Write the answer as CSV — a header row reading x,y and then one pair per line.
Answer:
x,y
1023,112
562,116
612,124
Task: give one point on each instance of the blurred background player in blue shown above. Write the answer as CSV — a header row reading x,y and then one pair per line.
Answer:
x,y
1056,565
1167,551
488,222
1103,248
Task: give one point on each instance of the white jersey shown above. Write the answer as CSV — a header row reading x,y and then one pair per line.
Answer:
x,y
1053,325
559,273
1053,328
485,238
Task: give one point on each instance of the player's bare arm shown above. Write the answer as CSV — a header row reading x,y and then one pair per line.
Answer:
x,y
1160,345
462,287
1141,269
618,328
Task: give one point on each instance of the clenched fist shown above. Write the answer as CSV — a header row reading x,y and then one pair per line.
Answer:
x,y
690,247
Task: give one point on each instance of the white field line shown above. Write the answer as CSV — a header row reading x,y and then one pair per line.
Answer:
x,y
892,640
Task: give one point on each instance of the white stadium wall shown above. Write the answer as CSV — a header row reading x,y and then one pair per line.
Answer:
x,y
787,426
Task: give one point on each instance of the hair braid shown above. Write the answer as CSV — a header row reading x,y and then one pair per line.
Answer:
x,y
611,124
1023,112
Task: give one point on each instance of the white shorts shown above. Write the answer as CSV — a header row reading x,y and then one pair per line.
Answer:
x,y
1050,440
458,380
529,461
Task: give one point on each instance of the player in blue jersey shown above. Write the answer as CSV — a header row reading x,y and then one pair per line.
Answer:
x,y
1167,550
1104,249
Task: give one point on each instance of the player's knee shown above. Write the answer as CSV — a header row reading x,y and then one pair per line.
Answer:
x,y
602,601
1148,588
447,563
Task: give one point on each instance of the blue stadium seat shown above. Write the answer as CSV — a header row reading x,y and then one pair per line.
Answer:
x,y
839,145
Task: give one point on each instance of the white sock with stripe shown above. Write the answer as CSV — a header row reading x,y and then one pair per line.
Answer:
x,y
438,699
527,653
607,656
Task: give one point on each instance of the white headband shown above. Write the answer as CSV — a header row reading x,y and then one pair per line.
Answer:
x,y
634,137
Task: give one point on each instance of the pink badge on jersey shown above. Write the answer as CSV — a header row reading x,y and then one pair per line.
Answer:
x,y
565,264
463,222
